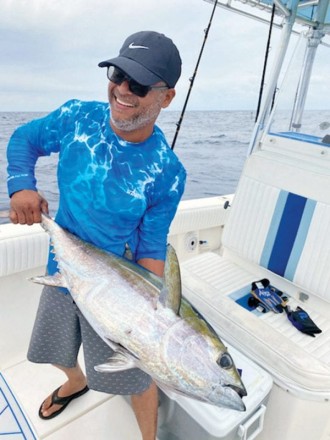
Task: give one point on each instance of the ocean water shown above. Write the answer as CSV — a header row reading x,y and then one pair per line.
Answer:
x,y
211,145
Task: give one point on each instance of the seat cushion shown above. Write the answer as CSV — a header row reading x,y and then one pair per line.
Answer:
x,y
215,284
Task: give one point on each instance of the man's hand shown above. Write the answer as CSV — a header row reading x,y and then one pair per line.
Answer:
x,y
26,207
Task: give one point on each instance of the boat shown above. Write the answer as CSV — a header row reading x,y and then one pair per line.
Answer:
x,y
275,227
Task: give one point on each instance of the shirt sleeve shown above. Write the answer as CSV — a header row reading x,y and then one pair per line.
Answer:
x,y
154,227
40,137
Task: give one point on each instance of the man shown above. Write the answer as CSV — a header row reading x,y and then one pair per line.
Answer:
x,y
119,184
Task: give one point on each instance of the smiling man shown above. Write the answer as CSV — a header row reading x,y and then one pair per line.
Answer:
x,y
120,184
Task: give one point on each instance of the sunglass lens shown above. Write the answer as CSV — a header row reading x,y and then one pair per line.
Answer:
x,y
138,89
117,76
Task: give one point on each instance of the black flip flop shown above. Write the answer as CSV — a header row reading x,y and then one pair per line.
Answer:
x,y
64,401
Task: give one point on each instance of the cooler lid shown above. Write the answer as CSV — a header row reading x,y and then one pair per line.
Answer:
x,y
217,421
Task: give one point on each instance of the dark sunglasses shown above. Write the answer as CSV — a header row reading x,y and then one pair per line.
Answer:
x,y
117,76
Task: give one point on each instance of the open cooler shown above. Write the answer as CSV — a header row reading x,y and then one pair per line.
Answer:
x,y
183,418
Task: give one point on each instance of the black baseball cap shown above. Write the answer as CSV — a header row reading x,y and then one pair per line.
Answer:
x,y
148,57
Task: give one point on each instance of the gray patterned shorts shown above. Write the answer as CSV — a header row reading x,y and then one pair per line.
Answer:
x,y
58,332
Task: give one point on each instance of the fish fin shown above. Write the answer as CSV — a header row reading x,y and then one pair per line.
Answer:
x,y
113,345
56,280
163,297
119,361
170,294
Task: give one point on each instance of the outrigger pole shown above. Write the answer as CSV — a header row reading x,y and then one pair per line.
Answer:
x,y
289,20
192,79
265,62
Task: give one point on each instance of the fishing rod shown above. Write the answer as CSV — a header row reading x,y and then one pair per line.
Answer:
x,y
192,79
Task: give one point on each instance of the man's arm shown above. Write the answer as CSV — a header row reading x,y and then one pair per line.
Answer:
x,y
39,137
155,266
154,228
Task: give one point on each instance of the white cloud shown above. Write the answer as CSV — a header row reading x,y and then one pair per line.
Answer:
x,y
50,50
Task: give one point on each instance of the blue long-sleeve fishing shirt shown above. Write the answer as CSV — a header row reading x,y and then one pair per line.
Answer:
x,y
112,192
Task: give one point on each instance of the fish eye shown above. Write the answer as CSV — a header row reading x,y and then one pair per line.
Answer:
x,y
225,361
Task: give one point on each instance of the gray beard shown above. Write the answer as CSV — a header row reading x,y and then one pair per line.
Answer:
x,y
140,121
131,124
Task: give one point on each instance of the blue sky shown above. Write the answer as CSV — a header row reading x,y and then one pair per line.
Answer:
x,y
50,49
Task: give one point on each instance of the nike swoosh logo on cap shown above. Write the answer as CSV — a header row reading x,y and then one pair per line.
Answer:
x,y
132,46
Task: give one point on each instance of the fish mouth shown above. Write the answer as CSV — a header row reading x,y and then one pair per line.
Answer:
x,y
234,396
241,391
229,396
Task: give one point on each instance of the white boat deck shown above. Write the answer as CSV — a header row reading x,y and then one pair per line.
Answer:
x,y
94,415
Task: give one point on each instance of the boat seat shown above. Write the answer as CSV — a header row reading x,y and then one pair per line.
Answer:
x,y
278,228
22,248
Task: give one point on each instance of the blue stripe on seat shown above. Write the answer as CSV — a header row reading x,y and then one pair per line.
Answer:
x,y
300,239
287,234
